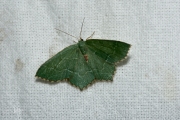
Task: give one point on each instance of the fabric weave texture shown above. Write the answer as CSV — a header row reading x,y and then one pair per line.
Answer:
x,y
146,86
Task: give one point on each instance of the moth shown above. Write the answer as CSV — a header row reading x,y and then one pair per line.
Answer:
x,y
84,62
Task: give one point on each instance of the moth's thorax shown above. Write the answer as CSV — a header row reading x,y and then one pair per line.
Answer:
x,y
81,45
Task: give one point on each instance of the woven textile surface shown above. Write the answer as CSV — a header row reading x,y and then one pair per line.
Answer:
x,y
146,86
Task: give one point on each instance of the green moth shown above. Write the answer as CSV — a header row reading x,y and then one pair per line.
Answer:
x,y
84,62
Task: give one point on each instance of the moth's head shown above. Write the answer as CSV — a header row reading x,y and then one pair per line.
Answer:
x,y
81,39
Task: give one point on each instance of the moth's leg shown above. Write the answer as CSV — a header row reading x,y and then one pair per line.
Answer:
x,y
74,41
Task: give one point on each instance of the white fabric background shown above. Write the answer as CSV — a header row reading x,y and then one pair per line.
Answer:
x,y
145,87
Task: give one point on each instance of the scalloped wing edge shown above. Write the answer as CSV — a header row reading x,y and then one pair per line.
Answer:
x,y
93,81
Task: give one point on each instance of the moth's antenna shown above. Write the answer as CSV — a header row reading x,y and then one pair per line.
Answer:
x,y
81,28
67,33
91,35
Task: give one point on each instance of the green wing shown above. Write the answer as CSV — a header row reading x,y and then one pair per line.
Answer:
x,y
110,50
102,56
56,68
67,64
